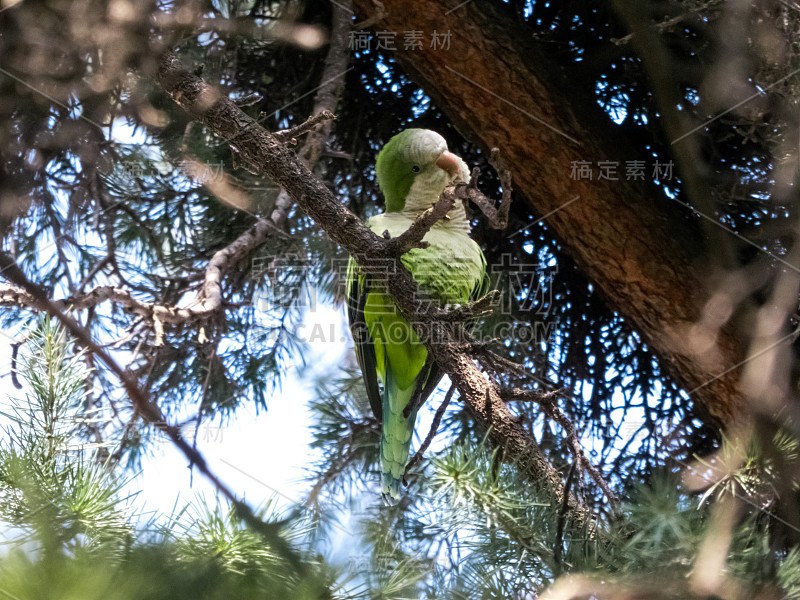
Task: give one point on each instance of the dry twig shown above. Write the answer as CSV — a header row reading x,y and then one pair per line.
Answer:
x,y
432,433
412,237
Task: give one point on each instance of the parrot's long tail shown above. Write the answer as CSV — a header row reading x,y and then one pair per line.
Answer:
x,y
396,438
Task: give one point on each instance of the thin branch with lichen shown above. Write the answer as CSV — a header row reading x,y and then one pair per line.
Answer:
x,y
437,418
497,217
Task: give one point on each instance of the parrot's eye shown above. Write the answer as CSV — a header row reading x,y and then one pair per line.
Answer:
x,y
415,168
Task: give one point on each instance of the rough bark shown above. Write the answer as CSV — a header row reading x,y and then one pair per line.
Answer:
x,y
325,101
501,90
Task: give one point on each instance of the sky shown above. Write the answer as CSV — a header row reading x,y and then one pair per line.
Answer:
x,y
259,456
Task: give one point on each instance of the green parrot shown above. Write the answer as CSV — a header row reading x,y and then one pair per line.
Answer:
x,y
412,169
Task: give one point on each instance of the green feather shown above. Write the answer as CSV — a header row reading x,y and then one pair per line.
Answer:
x,y
395,173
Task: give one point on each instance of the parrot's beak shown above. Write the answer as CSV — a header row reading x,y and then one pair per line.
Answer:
x,y
448,162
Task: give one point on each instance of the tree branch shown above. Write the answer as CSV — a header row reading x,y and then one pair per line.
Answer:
x,y
548,403
437,418
412,237
498,217
288,136
263,152
148,410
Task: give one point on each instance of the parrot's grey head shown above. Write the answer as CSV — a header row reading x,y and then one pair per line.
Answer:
x,y
418,158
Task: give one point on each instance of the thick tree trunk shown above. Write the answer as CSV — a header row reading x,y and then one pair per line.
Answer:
x,y
644,256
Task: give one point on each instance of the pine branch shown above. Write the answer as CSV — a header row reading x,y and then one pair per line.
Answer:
x,y
148,410
343,457
287,136
558,548
18,297
325,101
497,217
548,402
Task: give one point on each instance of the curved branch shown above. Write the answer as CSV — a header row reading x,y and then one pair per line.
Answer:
x,y
262,151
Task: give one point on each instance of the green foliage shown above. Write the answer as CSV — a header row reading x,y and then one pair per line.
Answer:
x,y
53,490
789,575
152,572
204,532
479,529
666,527
73,528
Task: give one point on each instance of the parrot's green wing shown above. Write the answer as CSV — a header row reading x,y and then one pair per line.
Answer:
x,y
431,373
484,286
357,291
434,376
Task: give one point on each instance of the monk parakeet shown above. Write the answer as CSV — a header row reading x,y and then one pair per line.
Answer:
x,y
412,169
